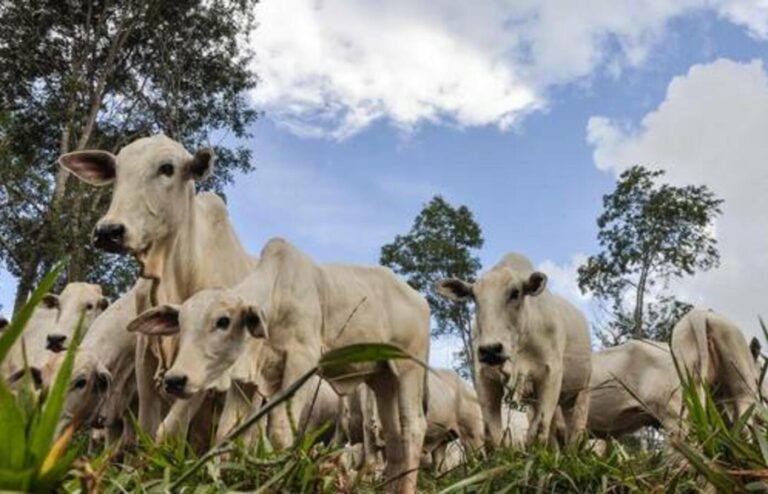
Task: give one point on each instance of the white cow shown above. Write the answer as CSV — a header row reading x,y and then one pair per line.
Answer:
x,y
103,382
182,241
453,413
715,352
304,309
524,333
641,369
51,326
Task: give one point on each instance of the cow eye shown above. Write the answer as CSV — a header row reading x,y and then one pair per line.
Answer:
x,y
89,306
166,169
222,322
514,294
79,383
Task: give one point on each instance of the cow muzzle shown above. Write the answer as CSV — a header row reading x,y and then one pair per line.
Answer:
x,y
175,386
492,354
110,237
55,343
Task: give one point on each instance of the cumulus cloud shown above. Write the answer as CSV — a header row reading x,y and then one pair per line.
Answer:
x,y
332,67
563,279
710,129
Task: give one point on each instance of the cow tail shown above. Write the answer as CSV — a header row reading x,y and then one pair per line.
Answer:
x,y
698,322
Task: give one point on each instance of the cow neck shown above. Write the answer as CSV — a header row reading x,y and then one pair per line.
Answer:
x,y
204,253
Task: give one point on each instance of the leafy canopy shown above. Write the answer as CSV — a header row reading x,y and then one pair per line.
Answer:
x,y
649,233
442,243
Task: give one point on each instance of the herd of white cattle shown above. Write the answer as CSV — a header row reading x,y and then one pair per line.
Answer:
x,y
209,333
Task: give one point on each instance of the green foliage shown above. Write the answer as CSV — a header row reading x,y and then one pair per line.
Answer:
x,y
649,233
32,458
443,242
81,74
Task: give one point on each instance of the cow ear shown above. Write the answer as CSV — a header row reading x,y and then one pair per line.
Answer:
x,y
255,321
103,379
536,284
158,321
91,166
454,289
201,165
103,303
755,347
50,301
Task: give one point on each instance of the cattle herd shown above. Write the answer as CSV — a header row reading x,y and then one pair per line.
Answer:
x,y
209,333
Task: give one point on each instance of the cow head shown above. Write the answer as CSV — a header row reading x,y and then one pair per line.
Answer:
x,y
76,300
500,297
153,190
212,326
88,388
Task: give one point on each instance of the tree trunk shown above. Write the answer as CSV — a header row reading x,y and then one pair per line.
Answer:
x,y
24,287
637,318
466,339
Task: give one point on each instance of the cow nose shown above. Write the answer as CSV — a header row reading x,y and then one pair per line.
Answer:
x,y
109,237
492,354
175,384
56,342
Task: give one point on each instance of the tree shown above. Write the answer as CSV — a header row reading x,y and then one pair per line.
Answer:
x,y
441,243
83,73
650,233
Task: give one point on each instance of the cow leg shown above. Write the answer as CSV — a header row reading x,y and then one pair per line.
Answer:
x,y
438,457
150,401
490,394
577,416
413,423
371,427
341,434
176,424
385,389
237,407
548,386
280,428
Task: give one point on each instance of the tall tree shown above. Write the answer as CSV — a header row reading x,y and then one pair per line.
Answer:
x,y
76,74
650,233
442,243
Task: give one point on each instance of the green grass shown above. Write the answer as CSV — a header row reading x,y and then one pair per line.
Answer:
x,y
712,453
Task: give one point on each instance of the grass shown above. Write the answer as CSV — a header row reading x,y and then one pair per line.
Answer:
x,y
713,454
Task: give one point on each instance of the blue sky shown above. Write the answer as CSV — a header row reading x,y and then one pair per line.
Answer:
x,y
524,114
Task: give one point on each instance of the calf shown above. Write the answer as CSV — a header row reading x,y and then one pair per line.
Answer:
x,y
453,413
103,382
304,309
50,328
524,333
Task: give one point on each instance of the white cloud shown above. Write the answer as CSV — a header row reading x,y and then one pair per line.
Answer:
x,y
332,67
563,279
710,129
751,14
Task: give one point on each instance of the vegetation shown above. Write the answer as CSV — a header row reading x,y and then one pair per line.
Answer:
x,y
650,233
79,74
443,242
731,457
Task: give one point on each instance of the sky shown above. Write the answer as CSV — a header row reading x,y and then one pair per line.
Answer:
x,y
523,111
